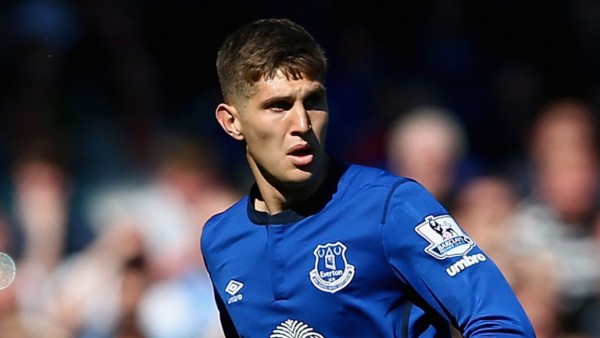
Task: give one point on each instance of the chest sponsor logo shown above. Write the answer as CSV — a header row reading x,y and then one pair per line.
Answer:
x,y
332,271
232,288
294,329
445,237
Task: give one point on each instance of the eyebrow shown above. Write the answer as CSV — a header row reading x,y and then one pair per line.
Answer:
x,y
273,99
320,90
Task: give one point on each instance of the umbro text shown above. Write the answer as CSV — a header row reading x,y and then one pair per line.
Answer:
x,y
464,263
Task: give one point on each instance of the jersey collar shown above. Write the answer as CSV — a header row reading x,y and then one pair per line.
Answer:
x,y
301,211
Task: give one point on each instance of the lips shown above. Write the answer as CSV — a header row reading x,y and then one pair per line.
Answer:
x,y
300,150
301,154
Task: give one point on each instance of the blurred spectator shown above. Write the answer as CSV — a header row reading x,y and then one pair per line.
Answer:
x,y
85,294
186,188
557,216
533,278
180,302
427,144
485,207
136,279
46,225
142,275
42,205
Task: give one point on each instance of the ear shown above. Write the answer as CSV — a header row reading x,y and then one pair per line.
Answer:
x,y
227,116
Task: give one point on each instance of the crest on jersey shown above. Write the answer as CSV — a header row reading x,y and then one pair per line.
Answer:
x,y
445,237
332,271
294,329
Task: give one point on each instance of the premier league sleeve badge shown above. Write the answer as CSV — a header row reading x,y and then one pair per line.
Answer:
x,y
445,237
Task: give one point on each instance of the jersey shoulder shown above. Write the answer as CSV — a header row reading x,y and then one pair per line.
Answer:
x,y
213,229
361,177
400,195
358,175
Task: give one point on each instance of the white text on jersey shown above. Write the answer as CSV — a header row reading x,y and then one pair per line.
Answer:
x,y
464,263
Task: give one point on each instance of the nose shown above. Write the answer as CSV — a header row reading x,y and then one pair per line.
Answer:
x,y
300,120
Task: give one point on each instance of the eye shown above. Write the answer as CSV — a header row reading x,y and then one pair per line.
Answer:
x,y
315,102
280,105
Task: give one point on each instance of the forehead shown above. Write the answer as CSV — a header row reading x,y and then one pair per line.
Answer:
x,y
283,86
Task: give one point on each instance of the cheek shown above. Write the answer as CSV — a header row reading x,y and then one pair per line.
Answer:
x,y
262,137
256,129
319,123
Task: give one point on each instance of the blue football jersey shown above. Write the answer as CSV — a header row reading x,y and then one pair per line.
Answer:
x,y
371,254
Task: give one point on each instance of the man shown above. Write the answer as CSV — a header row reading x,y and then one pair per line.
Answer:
x,y
556,218
321,248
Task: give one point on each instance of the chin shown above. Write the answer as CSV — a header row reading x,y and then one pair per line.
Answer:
x,y
298,177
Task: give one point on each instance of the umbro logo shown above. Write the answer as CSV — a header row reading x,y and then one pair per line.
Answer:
x,y
232,288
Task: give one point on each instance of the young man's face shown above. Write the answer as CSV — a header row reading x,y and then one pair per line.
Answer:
x,y
284,125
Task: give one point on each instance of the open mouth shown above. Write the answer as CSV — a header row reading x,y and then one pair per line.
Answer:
x,y
302,155
302,152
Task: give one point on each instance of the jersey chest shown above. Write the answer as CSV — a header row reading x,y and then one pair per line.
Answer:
x,y
310,271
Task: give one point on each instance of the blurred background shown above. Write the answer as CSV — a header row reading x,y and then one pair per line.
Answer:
x,y
111,160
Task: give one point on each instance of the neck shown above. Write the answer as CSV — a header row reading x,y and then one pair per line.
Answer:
x,y
276,196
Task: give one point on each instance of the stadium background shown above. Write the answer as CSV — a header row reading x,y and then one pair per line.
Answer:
x,y
96,86
100,78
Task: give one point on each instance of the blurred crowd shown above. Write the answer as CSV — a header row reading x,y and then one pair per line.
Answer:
x,y
132,269
111,161
539,221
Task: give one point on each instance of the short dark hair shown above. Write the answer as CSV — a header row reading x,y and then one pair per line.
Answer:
x,y
260,49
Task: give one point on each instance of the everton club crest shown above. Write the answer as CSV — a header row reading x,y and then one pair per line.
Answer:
x,y
332,271
445,237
